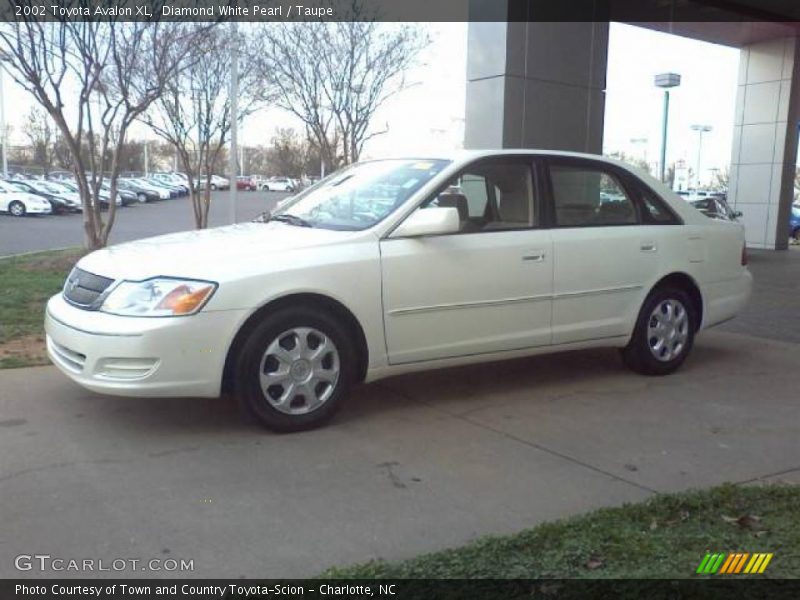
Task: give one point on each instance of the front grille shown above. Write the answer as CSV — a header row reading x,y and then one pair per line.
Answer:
x,y
83,288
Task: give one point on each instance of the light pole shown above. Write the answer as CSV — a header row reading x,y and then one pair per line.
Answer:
x,y
234,98
700,129
4,133
665,81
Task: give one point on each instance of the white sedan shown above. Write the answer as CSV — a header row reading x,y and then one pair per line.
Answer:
x,y
392,266
19,203
278,184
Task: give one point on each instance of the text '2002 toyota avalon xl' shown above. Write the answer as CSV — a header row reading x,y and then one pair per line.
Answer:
x,y
391,266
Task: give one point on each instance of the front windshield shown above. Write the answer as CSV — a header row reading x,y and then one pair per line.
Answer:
x,y
361,195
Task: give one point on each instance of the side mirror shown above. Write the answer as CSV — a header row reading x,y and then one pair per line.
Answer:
x,y
429,221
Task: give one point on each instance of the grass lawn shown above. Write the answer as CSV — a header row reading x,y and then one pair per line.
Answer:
x,y
663,537
26,282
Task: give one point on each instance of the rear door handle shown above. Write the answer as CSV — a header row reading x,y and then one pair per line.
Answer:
x,y
648,247
535,256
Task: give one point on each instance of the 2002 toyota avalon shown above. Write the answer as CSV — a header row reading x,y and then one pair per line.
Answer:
x,y
391,266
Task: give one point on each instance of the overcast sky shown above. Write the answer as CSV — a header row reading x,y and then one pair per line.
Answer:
x,y
428,117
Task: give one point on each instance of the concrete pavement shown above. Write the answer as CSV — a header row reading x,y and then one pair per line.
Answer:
x,y
411,464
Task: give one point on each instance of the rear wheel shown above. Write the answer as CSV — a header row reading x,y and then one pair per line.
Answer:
x,y
141,197
17,208
664,333
295,369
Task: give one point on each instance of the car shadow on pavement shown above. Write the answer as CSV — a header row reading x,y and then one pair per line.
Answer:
x,y
535,379
454,390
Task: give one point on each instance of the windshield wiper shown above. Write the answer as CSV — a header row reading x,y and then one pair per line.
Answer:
x,y
291,220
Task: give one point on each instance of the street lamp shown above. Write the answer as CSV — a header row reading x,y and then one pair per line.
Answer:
x,y
4,133
665,81
700,129
234,116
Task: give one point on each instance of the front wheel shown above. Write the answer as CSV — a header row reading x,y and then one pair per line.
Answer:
x,y
295,369
17,208
796,234
664,333
142,198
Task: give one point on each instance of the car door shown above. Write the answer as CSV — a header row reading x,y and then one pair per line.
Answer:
x,y
603,249
484,289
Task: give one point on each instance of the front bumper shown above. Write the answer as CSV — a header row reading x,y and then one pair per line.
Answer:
x,y
136,356
37,209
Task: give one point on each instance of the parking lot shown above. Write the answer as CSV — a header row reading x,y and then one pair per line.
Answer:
x,y
411,464
33,233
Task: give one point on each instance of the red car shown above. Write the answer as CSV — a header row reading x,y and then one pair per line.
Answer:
x,y
246,182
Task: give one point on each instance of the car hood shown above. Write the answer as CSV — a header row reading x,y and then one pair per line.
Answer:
x,y
218,254
72,197
25,196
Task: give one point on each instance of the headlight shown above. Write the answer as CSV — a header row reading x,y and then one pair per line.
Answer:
x,y
160,297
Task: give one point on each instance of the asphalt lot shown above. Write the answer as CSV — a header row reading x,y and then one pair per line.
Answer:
x,y
410,465
135,221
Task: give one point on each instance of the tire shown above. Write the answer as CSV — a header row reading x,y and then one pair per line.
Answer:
x,y
274,370
654,351
213,187
17,208
796,234
142,198
265,188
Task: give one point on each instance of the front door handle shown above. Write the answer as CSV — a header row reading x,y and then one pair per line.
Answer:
x,y
648,247
535,256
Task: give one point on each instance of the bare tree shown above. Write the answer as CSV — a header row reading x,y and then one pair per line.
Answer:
x,y
40,131
722,178
335,76
194,114
94,80
289,153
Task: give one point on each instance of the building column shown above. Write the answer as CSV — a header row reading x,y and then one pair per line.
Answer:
x,y
535,85
764,150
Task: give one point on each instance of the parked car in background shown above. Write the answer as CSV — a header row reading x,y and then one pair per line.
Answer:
x,y
475,259
247,183
103,199
124,197
794,222
143,193
161,192
60,200
172,190
278,184
716,207
174,180
20,203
